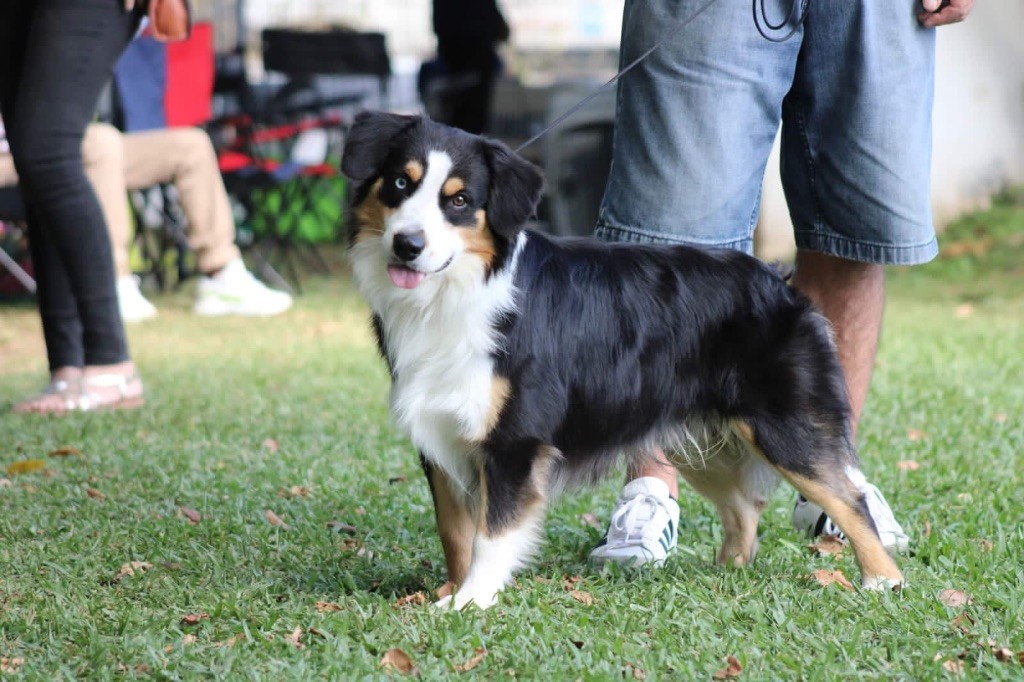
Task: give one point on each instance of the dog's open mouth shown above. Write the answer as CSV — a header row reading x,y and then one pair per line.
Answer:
x,y
409,278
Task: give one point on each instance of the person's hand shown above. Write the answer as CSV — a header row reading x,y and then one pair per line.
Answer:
x,y
941,12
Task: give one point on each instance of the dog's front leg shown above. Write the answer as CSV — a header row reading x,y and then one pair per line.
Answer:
x,y
510,507
455,522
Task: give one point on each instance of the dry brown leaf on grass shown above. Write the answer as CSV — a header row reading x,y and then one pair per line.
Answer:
x,y
732,669
915,435
188,639
569,581
273,519
826,578
589,519
6,483
65,451
582,597
827,545
963,310
11,664
191,515
230,641
446,590
954,667
131,568
635,671
985,545
194,618
397,660
927,528
25,466
962,621
414,599
295,637
397,479
295,491
478,656
999,417
954,598
1003,654
908,465
95,494
327,606
339,527
271,445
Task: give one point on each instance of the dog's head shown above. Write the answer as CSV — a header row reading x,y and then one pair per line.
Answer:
x,y
432,196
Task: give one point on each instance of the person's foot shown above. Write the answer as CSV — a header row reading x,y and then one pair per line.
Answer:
x,y
134,306
109,387
59,396
643,526
812,520
235,291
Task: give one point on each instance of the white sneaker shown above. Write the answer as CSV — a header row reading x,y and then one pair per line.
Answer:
x,y
235,291
134,306
811,519
643,526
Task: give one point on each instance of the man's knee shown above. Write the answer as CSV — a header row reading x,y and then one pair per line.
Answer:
x,y
195,146
102,145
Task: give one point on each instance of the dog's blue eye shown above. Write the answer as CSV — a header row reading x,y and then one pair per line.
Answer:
x,y
401,182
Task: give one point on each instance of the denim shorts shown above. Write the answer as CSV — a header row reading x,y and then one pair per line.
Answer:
x,y
695,123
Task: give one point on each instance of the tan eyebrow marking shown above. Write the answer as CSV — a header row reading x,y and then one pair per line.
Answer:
x,y
453,185
414,169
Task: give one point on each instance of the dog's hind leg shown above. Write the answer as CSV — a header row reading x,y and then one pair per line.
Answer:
x,y
739,485
455,523
820,463
510,507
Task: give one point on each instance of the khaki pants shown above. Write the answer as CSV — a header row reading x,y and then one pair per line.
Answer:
x,y
116,163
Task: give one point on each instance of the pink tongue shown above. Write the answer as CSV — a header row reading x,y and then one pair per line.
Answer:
x,y
404,277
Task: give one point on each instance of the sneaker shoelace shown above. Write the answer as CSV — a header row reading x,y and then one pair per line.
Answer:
x,y
632,520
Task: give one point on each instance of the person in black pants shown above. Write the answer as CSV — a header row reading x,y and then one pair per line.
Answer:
x,y
468,32
55,58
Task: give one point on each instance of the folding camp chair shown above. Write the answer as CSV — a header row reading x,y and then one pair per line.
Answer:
x,y
13,243
284,165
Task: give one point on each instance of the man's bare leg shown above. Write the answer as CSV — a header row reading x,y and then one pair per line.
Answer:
x,y
852,297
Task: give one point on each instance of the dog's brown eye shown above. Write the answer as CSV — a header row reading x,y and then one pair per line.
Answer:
x,y
459,200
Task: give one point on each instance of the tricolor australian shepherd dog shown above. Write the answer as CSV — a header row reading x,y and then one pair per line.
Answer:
x,y
522,363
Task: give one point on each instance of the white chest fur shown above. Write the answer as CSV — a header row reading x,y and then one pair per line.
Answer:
x,y
440,340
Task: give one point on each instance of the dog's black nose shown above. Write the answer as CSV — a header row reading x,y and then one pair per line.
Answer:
x,y
408,246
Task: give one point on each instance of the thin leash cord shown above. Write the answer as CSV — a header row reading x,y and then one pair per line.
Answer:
x,y
764,31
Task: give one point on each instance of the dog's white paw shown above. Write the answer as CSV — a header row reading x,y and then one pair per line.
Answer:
x,y
463,598
879,583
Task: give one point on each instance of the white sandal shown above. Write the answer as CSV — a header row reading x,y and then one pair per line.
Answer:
x,y
96,392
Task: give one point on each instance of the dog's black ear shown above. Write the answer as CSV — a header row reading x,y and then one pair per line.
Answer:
x,y
514,191
369,140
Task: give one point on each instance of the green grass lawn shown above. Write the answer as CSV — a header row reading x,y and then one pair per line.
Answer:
x,y
288,415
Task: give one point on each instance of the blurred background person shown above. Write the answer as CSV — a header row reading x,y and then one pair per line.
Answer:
x,y
463,75
118,162
55,58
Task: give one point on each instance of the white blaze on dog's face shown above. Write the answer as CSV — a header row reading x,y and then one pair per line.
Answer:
x,y
419,235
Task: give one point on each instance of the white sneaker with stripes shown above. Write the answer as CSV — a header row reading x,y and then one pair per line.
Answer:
x,y
643,527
